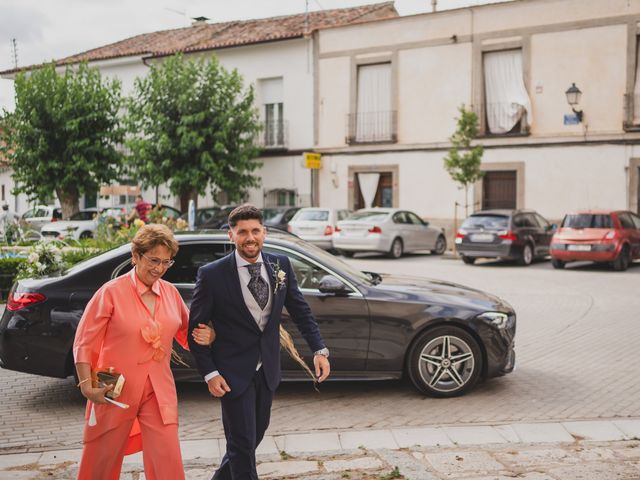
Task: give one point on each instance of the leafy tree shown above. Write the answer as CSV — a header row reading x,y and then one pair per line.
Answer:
x,y
192,125
64,134
463,161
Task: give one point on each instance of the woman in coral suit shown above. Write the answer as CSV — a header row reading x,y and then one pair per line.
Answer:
x,y
129,325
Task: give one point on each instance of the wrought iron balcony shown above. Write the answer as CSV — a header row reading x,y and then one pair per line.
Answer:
x,y
274,135
372,127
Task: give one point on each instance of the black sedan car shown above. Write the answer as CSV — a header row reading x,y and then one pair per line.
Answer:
x,y
444,337
520,235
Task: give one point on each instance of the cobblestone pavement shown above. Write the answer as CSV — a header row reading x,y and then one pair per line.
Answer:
x,y
576,461
576,347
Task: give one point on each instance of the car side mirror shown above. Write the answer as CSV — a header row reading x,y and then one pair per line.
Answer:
x,y
330,284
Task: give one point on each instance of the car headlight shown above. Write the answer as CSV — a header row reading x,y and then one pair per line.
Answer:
x,y
499,319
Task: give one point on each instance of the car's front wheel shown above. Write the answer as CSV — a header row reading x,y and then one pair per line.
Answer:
x,y
346,253
623,260
444,361
559,264
441,245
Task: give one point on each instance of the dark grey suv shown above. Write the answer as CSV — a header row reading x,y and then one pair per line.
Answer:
x,y
520,235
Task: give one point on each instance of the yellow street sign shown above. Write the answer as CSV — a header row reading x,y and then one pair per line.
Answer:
x,y
312,160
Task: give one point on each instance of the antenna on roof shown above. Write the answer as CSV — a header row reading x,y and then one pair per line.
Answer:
x,y
306,16
183,13
14,47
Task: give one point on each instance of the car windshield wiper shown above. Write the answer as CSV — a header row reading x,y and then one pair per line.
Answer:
x,y
376,278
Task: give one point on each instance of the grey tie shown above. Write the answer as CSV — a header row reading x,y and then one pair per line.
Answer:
x,y
257,286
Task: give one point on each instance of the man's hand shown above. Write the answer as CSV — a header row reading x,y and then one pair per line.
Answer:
x,y
218,386
322,367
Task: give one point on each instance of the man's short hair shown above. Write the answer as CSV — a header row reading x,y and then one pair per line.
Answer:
x,y
244,212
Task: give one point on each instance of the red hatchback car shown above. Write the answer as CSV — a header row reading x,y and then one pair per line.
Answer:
x,y
597,236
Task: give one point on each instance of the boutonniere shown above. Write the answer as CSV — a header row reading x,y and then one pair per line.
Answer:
x,y
279,275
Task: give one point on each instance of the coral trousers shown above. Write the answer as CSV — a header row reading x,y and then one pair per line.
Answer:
x,y
102,458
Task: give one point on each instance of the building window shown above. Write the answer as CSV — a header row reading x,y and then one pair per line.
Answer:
x,y
499,189
280,198
507,107
374,120
632,100
274,127
374,190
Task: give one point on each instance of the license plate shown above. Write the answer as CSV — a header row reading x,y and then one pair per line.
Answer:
x,y
481,237
579,248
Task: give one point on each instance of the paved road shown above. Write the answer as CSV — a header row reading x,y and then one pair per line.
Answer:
x,y
577,359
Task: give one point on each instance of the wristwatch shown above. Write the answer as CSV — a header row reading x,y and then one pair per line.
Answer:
x,y
323,351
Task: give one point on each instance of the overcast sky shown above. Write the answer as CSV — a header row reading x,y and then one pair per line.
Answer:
x,y
51,29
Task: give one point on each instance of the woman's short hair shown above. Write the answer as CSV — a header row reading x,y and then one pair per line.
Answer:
x,y
153,235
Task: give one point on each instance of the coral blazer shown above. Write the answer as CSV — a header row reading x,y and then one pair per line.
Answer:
x,y
117,330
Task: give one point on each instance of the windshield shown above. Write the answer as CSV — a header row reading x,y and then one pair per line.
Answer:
x,y
587,220
313,215
272,214
498,222
83,216
370,216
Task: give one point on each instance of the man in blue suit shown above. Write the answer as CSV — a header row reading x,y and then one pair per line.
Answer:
x,y
242,296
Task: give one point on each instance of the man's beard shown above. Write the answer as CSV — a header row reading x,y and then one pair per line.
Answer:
x,y
243,252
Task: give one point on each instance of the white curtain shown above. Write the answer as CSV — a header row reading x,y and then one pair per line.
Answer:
x,y
373,120
636,89
368,187
507,100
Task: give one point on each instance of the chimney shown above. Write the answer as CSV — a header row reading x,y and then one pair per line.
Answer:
x,y
434,5
199,21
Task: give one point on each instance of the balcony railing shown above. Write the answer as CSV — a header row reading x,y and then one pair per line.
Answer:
x,y
274,135
501,114
631,111
372,127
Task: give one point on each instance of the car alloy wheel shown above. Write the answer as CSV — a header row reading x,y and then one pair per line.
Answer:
x,y
396,248
444,362
441,246
622,261
527,255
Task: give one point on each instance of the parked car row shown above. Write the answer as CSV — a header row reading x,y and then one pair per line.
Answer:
x,y
386,230
607,236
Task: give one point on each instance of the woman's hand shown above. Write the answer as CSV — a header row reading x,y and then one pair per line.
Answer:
x,y
204,334
96,395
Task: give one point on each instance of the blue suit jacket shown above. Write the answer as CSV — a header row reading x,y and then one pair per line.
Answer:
x,y
239,343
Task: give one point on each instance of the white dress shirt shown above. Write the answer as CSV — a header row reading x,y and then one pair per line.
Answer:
x,y
260,316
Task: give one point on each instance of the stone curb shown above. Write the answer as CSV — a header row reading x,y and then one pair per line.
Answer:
x,y
274,448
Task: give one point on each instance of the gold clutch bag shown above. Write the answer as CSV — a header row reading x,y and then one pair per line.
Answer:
x,y
102,377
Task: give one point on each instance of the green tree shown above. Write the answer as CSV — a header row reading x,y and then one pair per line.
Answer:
x,y
192,125
463,161
64,134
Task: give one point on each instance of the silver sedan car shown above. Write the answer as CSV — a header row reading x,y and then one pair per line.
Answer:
x,y
316,225
389,230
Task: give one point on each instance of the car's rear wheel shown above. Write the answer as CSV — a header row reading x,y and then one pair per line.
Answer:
x,y
441,245
526,257
85,235
445,361
559,264
396,248
623,260
346,253
468,260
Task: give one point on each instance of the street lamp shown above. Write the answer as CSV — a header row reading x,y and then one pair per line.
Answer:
x,y
573,94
